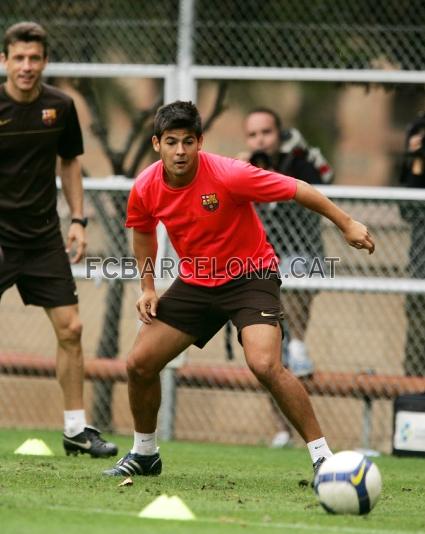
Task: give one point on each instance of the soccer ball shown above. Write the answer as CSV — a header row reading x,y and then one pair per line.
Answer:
x,y
348,483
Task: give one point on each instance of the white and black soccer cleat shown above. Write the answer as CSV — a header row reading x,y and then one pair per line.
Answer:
x,y
316,466
89,442
136,464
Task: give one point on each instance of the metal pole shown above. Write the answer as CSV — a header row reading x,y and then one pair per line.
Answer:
x,y
185,80
167,411
171,92
185,90
367,422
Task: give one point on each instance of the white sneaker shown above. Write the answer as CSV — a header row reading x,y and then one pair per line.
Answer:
x,y
281,439
299,362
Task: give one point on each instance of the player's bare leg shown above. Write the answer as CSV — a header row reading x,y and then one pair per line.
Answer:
x,y
69,359
155,346
78,436
262,347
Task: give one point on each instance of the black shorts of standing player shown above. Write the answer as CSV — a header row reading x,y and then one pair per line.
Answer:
x,y
43,276
201,311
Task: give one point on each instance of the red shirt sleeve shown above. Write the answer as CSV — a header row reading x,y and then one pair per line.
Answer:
x,y
247,183
137,215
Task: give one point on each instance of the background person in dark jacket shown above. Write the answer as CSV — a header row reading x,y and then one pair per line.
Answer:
x,y
292,232
413,175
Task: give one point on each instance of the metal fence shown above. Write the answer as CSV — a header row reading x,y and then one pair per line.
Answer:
x,y
275,33
369,319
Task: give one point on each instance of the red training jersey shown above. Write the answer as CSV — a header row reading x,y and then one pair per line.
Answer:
x,y
211,222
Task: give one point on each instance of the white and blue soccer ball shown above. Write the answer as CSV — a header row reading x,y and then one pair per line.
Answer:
x,y
348,483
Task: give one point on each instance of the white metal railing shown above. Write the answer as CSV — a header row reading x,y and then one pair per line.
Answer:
x,y
121,183
358,284
201,72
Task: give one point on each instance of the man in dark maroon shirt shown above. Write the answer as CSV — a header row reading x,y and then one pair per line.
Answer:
x,y
37,124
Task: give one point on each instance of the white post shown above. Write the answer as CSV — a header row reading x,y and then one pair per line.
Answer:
x,y
184,89
167,411
171,91
185,80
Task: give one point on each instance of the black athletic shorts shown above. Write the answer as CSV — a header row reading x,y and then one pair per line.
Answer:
x,y
201,311
43,276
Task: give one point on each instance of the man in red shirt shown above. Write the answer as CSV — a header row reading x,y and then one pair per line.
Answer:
x,y
227,270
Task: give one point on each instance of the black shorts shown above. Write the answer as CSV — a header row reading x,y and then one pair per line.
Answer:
x,y
201,311
43,276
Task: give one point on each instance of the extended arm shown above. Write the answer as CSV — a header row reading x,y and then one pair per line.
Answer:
x,y
145,247
73,190
355,233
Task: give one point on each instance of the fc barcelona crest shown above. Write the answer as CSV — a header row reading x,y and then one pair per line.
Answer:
x,y
48,116
210,201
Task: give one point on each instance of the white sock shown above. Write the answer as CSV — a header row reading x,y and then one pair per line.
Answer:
x,y
144,444
75,422
318,449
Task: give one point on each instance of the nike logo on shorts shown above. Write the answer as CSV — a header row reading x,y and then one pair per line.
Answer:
x,y
264,314
5,121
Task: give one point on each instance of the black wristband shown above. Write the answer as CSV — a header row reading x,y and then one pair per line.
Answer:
x,y
84,221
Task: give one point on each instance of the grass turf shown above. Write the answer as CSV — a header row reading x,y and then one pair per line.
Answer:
x,y
230,489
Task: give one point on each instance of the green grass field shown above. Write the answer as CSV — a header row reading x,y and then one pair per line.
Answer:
x,y
229,489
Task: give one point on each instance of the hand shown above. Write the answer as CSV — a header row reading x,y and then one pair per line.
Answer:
x,y
357,235
415,142
77,236
415,145
147,305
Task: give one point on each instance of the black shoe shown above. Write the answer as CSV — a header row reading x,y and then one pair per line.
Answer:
x,y
316,466
136,464
89,442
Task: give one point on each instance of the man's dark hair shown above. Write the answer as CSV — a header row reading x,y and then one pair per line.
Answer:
x,y
177,115
276,118
27,32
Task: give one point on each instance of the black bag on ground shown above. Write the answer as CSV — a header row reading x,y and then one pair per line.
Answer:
x,y
409,425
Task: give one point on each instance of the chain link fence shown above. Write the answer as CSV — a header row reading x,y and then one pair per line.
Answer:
x,y
321,34
109,32
367,320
